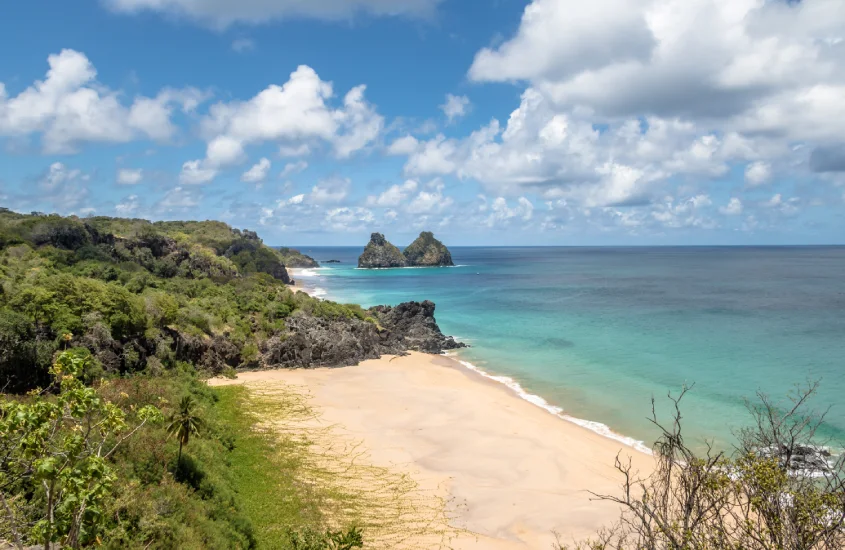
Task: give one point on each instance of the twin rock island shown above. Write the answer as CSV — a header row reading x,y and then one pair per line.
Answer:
x,y
425,251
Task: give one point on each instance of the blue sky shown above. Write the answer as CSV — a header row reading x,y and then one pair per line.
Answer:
x,y
495,122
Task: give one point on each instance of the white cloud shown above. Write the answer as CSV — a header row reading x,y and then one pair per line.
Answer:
x,y
195,173
755,66
348,219
69,108
733,208
179,199
224,13
435,157
297,111
561,154
292,168
394,196
331,190
294,151
126,176
758,173
243,45
455,106
128,206
429,202
501,214
257,173
59,175
224,151
64,188
404,145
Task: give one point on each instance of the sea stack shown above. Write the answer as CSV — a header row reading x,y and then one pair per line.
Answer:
x,y
380,253
427,251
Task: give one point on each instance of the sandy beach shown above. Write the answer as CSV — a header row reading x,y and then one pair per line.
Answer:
x,y
512,472
299,285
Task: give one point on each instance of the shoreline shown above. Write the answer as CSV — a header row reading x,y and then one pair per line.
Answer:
x,y
600,428
297,274
512,472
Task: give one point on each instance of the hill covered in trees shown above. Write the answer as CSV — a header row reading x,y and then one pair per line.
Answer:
x,y
143,296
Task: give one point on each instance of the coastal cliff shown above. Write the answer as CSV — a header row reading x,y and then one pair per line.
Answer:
x,y
380,253
426,251
146,297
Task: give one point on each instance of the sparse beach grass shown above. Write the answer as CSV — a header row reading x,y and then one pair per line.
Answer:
x,y
293,469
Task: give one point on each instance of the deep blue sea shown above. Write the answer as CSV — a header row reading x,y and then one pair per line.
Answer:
x,y
598,331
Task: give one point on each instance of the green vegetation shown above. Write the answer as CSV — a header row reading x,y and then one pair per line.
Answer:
x,y
140,296
106,328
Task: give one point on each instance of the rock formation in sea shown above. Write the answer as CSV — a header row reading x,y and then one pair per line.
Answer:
x,y
380,253
316,341
427,251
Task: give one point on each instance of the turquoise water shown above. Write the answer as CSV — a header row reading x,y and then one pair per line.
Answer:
x,y
600,331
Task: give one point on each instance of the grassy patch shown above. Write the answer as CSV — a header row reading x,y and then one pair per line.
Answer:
x,y
265,470
293,471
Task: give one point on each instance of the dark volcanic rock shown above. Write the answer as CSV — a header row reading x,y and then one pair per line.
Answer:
x,y
316,342
427,251
413,324
380,253
332,262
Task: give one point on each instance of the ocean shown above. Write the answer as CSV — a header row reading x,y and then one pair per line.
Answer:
x,y
593,334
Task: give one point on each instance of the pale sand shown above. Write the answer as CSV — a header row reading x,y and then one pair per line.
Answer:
x,y
515,472
295,274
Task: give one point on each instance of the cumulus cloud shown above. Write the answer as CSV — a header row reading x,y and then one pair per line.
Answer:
x,y
561,154
290,114
126,176
348,219
331,190
194,173
69,108
758,173
128,207
63,187
455,106
404,145
226,12
500,214
258,172
394,196
292,168
733,208
179,199
776,65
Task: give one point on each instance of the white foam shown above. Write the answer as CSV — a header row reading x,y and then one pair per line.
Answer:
x,y
597,427
413,267
309,272
318,292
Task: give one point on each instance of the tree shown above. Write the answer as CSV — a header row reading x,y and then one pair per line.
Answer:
x,y
54,469
184,423
779,490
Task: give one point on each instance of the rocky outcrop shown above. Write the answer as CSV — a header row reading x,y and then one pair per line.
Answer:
x,y
380,253
413,326
315,341
427,251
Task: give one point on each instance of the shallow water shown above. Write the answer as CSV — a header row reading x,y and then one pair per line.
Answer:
x,y
599,331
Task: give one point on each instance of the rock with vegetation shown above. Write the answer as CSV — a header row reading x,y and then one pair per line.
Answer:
x,y
379,253
146,297
426,251
294,258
